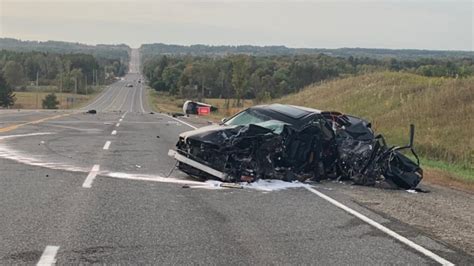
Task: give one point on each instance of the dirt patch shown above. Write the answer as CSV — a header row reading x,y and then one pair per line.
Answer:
x,y
446,179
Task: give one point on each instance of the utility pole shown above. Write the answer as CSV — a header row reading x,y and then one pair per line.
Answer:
x,y
37,89
86,83
75,91
61,90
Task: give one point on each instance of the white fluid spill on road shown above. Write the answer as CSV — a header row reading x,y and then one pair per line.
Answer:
x,y
27,158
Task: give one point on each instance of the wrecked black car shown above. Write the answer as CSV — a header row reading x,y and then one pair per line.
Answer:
x,y
295,143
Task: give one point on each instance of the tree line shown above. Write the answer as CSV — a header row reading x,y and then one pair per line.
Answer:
x,y
265,77
24,68
222,50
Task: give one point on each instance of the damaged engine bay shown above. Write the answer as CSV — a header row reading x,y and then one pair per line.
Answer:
x,y
295,143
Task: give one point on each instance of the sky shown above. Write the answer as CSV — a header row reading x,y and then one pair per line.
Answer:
x,y
402,24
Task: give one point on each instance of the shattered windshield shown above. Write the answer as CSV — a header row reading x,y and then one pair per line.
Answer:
x,y
246,117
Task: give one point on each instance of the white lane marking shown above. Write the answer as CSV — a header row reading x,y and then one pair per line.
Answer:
x,y
114,132
107,145
189,125
120,120
141,99
382,228
91,176
117,125
49,256
26,135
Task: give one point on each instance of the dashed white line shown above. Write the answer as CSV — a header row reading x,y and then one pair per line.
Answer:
x,y
382,228
49,256
91,176
107,145
120,120
114,132
117,125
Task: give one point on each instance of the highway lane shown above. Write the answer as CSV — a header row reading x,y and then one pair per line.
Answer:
x,y
131,213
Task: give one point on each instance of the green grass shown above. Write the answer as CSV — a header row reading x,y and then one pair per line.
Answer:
x,y
459,172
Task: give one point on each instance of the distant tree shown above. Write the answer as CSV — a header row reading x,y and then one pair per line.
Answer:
x,y
13,73
240,77
50,101
7,97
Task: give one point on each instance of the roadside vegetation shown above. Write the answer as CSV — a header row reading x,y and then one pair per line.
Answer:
x,y
56,67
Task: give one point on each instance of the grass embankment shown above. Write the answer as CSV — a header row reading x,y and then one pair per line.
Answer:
x,y
441,108
32,100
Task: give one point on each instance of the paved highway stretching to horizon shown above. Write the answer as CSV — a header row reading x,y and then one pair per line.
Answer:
x,y
85,188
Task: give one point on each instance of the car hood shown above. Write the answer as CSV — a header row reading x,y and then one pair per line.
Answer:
x,y
207,133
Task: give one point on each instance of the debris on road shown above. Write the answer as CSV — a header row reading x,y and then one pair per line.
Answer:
x,y
176,114
231,185
295,143
198,108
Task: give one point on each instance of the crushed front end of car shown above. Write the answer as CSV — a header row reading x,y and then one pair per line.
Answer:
x,y
329,145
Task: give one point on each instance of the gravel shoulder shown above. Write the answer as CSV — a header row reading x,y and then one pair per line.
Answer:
x,y
444,213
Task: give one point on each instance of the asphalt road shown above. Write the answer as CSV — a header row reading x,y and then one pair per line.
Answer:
x,y
84,188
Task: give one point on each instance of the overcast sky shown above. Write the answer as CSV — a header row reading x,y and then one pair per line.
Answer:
x,y
422,24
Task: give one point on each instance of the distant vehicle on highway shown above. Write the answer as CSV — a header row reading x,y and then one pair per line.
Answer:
x,y
129,85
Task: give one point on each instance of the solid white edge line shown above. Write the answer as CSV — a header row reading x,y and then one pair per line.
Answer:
x,y
141,98
382,228
107,145
189,125
114,132
91,176
49,256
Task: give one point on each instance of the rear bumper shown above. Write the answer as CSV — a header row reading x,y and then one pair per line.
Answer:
x,y
183,159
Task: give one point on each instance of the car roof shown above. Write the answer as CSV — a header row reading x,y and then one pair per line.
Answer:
x,y
291,114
